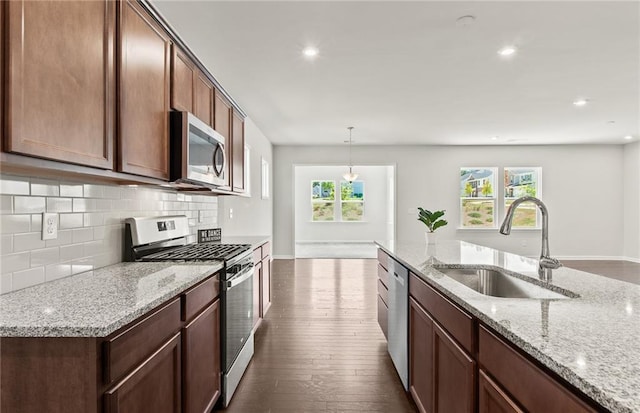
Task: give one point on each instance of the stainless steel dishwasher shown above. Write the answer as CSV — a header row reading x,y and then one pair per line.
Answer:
x,y
397,342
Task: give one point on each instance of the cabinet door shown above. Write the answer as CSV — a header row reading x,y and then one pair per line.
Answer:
x,y
222,125
493,399
144,94
454,375
203,99
257,292
60,80
183,75
265,285
420,357
237,152
201,360
152,387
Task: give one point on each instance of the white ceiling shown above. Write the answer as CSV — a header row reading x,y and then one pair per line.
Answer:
x,y
406,73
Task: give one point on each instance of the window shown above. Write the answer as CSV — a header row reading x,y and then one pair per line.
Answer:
x,y
323,197
477,197
352,200
519,182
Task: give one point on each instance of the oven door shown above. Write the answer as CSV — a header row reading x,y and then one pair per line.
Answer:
x,y
237,314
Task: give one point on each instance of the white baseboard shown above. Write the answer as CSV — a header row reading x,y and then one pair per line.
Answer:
x,y
596,258
283,257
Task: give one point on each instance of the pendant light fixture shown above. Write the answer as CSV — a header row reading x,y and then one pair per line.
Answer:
x,y
350,176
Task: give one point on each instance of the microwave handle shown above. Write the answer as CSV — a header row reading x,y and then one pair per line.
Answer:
x,y
224,159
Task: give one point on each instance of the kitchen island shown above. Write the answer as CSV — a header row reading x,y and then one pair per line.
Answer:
x,y
589,339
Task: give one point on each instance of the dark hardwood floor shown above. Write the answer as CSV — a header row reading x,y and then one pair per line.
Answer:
x,y
620,270
319,348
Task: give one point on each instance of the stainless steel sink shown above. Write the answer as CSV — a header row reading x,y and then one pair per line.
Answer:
x,y
497,283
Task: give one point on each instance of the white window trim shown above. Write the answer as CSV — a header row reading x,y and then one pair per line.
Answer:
x,y
494,198
364,208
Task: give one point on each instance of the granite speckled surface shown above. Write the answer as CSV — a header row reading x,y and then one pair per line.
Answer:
x,y
592,340
96,303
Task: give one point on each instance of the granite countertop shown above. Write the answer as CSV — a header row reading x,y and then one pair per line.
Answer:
x,y
255,241
96,303
593,340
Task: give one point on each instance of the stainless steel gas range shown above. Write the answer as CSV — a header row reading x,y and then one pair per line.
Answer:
x,y
165,239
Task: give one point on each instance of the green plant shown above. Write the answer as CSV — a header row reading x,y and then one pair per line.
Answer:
x,y
468,189
432,220
474,214
476,222
487,189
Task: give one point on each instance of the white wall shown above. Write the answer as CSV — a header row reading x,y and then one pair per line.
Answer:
x,y
582,187
251,215
374,225
632,201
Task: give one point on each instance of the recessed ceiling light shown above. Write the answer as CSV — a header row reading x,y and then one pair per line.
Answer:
x,y
611,122
494,138
580,102
465,20
507,51
310,52
628,137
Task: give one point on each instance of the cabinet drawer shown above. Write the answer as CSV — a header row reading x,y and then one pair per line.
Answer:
x,y
383,292
197,298
130,347
458,323
383,275
383,317
519,376
383,258
257,255
266,250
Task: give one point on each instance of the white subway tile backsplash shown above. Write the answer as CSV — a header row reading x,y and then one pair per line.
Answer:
x,y
82,235
14,262
27,278
59,205
44,187
71,252
68,221
27,242
45,256
91,225
71,190
65,237
28,204
14,185
55,271
5,283
13,224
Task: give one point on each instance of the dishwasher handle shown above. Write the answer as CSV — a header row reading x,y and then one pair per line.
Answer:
x,y
239,279
398,278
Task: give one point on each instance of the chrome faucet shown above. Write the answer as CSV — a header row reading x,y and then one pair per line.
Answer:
x,y
546,263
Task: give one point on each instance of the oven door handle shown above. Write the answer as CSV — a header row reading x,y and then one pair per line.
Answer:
x,y
239,279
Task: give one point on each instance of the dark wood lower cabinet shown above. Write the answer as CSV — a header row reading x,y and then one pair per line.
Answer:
x,y
201,361
493,399
420,357
153,387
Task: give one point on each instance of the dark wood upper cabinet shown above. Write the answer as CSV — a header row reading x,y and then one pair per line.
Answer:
x,y
152,387
201,361
222,125
237,153
144,68
60,80
183,75
203,97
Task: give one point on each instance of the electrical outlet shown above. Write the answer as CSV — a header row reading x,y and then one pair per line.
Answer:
x,y
49,226
200,217
230,213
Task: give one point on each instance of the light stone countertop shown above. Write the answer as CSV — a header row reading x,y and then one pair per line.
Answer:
x,y
592,341
255,241
97,303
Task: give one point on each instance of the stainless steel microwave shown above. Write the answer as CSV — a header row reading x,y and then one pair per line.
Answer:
x,y
197,152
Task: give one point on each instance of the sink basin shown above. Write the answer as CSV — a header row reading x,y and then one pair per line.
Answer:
x,y
497,283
